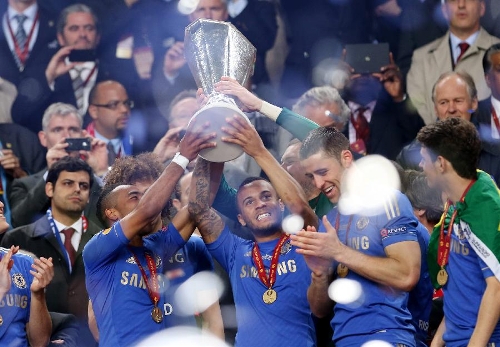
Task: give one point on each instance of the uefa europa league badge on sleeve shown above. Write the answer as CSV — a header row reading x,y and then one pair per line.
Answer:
x,y
214,49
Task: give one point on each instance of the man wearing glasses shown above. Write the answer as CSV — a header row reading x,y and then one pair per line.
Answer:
x,y
109,108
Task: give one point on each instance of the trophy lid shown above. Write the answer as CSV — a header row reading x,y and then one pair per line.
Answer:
x,y
214,49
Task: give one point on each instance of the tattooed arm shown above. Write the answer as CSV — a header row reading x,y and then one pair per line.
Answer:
x,y
209,223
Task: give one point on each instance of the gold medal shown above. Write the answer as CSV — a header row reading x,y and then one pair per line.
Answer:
x,y
157,315
342,270
1,320
269,296
442,277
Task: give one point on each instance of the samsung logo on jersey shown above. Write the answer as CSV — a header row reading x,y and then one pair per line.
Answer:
x,y
393,231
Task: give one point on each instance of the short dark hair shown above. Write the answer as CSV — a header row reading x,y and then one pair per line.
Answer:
x,y
327,139
456,140
494,49
133,169
70,164
246,182
104,202
423,197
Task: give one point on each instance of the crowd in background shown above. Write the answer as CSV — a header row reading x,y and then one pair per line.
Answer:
x,y
132,96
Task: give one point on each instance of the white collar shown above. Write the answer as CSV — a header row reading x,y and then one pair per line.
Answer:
x,y
30,12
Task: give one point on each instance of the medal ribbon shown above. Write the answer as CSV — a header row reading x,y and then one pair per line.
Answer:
x,y
154,288
257,258
444,240
22,54
337,224
495,118
57,235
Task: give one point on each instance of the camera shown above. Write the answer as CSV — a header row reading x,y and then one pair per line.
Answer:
x,y
81,55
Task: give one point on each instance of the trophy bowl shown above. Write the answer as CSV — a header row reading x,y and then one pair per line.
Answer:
x,y
214,49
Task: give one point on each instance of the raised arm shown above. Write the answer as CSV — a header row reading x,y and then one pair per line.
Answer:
x,y
291,193
296,124
209,223
156,197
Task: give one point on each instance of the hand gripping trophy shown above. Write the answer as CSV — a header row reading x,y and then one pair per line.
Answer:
x,y
214,49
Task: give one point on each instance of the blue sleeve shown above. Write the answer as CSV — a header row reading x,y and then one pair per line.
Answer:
x,y
399,222
485,268
101,248
224,248
168,239
201,257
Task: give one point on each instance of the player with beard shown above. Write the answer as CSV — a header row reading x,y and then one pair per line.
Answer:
x,y
268,278
122,262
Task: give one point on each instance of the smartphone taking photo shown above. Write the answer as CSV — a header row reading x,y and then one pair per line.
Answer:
x,y
78,144
82,55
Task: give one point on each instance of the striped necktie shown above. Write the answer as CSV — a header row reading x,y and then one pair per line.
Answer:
x,y
20,37
78,86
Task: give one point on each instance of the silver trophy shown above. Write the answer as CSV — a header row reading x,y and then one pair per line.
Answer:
x,y
214,49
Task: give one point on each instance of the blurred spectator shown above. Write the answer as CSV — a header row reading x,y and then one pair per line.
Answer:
x,y
383,120
20,155
487,117
256,20
491,18
28,199
461,48
422,21
69,81
109,109
322,105
61,235
8,93
317,30
26,49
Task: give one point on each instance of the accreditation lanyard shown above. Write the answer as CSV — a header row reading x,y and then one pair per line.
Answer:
x,y
257,258
57,235
22,52
495,119
445,240
152,284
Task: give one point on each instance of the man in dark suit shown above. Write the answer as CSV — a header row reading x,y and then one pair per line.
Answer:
x,y
70,81
35,40
28,199
383,120
487,117
20,155
61,234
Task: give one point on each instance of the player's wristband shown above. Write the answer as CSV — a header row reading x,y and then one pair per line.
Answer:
x,y
180,160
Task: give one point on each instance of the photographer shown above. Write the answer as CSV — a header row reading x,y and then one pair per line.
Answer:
x,y
60,122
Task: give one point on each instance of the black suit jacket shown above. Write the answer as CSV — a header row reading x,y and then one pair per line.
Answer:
x,y
44,48
489,160
25,146
29,202
393,125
